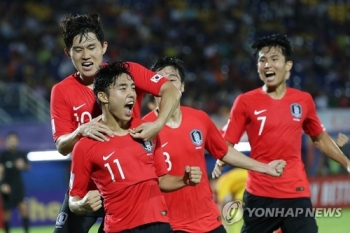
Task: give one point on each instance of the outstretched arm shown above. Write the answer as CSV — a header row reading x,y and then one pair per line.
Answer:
x,y
238,159
327,146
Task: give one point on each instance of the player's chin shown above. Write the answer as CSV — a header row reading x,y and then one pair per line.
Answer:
x,y
90,73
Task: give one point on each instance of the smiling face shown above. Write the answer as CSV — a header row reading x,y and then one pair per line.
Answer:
x,y
120,99
272,66
86,54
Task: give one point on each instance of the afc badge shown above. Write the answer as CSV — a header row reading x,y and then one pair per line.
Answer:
x,y
296,110
196,137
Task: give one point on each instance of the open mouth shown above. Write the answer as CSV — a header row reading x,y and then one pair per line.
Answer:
x,y
87,65
129,105
270,75
128,108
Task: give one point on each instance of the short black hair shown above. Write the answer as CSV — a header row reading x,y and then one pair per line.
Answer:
x,y
170,61
76,24
275,40
107,75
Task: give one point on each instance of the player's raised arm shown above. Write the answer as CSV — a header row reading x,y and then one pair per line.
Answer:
x,y
325,144
153,83
342,140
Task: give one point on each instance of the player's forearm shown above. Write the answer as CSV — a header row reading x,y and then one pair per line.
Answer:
x,y
238,159
65,143
169,102
76,205
327,146
168,183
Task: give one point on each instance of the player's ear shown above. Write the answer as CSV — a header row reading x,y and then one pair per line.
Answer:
x,y
104,47
66,51
289,65
182,87
102,97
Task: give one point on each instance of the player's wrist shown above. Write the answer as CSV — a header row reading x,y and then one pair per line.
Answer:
x,y
220,163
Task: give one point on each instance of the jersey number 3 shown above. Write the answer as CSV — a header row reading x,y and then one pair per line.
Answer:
x,y
262,124
167,160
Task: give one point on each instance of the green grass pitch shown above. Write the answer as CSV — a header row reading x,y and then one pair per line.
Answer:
x,y
326,225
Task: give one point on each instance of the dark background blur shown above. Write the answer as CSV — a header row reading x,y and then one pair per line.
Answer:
x,y
212,37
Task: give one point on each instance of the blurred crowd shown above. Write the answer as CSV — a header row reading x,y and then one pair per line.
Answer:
x,y
212,37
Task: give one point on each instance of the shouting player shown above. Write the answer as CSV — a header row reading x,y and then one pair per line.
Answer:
x,y
275,117
128,172
74,111
185,137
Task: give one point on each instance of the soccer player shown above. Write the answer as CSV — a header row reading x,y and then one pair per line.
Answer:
x,y
185,137
127,171
74,112
12,163
274,118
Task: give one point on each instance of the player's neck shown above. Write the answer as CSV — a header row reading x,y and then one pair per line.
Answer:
x,y
87,81
275,92
175,119
119,127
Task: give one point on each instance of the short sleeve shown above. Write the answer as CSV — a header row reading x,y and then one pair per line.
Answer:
x,y
236,122
146,80
158,157
312,125
61,121
214,142
80,170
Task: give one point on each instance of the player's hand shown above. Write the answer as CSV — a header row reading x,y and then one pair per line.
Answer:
x,y
276,167
95,130
146,131
192,176
219,165
342,140
20,164
5,189
92,201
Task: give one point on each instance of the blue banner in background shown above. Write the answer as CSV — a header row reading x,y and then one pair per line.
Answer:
x,y
46,184
33,137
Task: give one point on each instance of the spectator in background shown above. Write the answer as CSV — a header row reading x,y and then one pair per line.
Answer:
x,y
12,163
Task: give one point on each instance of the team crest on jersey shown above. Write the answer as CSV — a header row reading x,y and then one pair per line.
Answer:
x,y
196,137
148,146
296,110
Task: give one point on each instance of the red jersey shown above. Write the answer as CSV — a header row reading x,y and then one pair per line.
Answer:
x,y
191,209
126,173
275,128
73,103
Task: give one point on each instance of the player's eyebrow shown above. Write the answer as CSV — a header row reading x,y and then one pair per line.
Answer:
x,y
125,85
79,46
